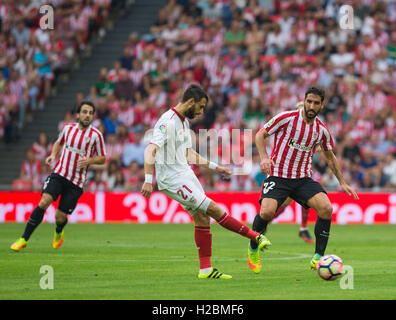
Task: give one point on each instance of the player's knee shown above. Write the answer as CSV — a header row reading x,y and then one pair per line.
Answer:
x,y
266,213
45,201
201,219
214,211
267,210
326,211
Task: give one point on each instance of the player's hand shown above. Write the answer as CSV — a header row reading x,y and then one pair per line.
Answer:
x,y
50,159
83,162
265,166
147,189
349,191
225,172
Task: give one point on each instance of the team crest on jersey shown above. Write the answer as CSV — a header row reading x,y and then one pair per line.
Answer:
x,y
87,139
162,128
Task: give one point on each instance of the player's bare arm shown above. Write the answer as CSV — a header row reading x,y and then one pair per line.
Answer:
x,y
195,158
84,162
333,164
149,160
56,149
266,161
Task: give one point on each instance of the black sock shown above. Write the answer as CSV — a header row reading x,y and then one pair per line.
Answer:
x,y
259,225
322,234
35,219
59,227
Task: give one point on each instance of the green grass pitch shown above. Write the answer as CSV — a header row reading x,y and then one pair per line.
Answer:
x,y
154,262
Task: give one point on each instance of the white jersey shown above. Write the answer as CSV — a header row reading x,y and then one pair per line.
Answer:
x,y
172,135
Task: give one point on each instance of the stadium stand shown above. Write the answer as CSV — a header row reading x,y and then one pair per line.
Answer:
x,y
255,58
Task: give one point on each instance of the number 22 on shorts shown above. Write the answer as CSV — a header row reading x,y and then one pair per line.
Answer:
x,y
268,186
181,193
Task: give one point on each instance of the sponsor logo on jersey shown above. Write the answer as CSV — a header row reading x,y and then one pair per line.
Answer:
x,y
294,144
81,152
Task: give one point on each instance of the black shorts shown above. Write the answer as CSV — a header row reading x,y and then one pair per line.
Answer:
x,y
300,190
56,185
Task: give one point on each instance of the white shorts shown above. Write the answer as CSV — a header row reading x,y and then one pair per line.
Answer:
x,y
188,191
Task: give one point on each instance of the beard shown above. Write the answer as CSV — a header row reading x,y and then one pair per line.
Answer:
x,y
190,113
83,123
310,113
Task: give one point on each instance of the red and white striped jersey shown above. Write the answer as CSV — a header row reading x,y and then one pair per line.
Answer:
x,y
295,143
78,143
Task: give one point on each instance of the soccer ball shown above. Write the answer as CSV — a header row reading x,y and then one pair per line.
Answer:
x,y
330,267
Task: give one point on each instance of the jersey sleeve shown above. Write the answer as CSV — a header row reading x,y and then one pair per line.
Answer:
x,y
100,145
160,133
327,142
62,135
277,123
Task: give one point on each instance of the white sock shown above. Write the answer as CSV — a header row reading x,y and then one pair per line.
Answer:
x,y
303,229
206,270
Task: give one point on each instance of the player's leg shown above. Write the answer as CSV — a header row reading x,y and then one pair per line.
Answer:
x,y
322,205
260,223
60,221
282,208
273,197
67,204
36,217
227,221
203,240
310,194
189,193
50,193
303,232
268,207
273,200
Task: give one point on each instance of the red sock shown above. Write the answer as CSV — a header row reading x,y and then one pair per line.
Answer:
x,y
203,240
304,218
232,224
278,212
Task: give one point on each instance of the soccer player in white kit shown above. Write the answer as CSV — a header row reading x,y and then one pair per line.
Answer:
x,y
170,150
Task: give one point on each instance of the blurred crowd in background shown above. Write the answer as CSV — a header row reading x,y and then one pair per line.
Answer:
x,y
255,59
32,59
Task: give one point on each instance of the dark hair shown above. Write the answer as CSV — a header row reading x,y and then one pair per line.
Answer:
x,y
196,92
316,90
90,103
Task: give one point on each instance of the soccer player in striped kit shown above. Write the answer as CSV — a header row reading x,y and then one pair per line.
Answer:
x,y
303,233
81,145
297,134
